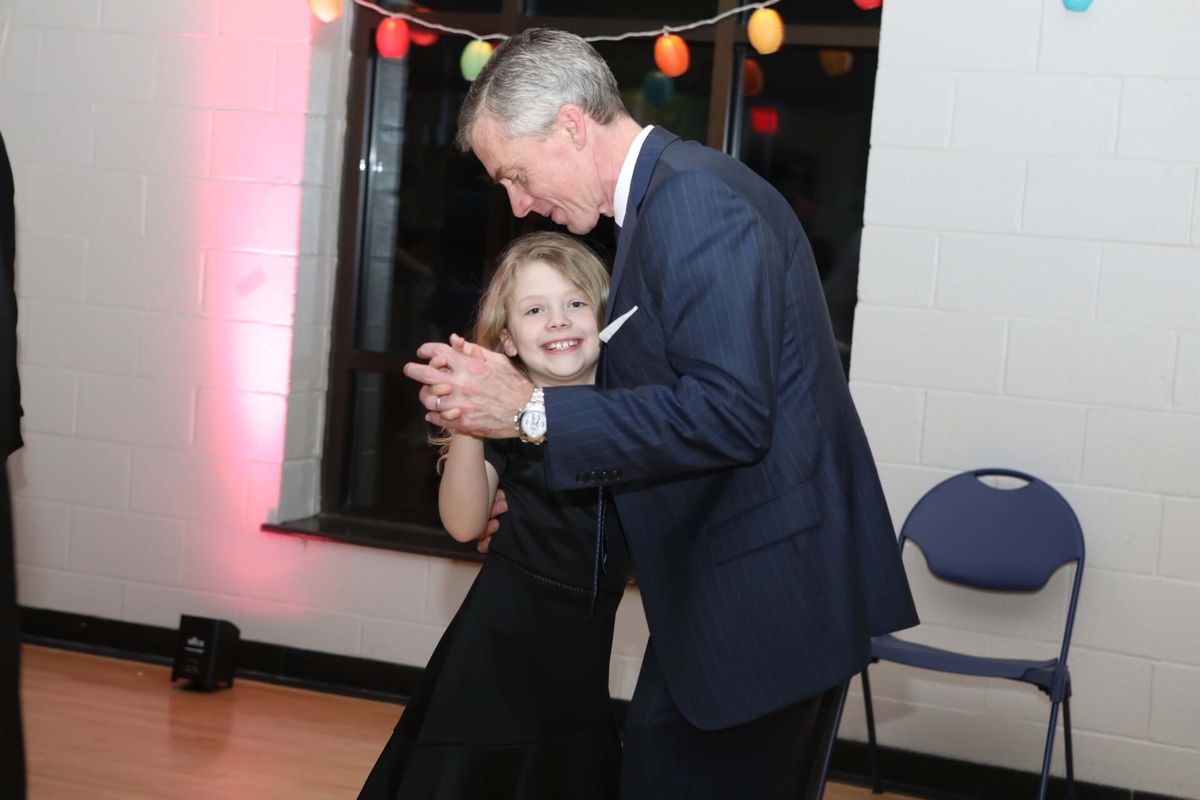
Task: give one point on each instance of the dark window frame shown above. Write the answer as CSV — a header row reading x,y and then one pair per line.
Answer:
x,y
361,526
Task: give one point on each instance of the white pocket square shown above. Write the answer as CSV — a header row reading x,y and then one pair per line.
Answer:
x,y
615,325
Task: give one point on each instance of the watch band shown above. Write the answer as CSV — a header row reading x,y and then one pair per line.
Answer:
x,y
535,410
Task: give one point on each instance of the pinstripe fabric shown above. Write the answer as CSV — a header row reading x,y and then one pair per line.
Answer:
x,y
736,460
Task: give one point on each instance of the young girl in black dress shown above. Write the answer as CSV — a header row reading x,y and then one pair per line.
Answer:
x,y
514,702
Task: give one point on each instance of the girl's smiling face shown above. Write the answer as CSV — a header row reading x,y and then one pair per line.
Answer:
x,y
552,327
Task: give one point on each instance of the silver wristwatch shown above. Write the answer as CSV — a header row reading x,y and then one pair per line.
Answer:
x,y
531,419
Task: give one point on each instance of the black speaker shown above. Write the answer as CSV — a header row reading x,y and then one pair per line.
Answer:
x,y
205,652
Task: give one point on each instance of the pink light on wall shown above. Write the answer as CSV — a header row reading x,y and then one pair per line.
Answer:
x,y
248,222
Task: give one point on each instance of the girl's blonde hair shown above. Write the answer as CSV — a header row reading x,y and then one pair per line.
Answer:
x,y
574,260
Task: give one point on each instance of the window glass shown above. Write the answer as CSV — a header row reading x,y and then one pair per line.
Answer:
x,y
432,218
679,104
391,464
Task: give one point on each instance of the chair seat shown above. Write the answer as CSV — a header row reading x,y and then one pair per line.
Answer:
x,y
890,648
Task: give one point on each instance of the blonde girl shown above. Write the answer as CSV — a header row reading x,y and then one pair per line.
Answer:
x,y
514,702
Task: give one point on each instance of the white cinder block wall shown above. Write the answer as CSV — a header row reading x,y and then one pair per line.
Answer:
x,y
1030,297
1030,284
178,164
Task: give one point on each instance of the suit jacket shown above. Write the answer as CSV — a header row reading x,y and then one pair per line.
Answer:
x,y
10,386
763,546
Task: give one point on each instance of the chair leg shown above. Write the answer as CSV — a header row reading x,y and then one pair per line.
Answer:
x,y
1067,748
1049,749
829,718
872,750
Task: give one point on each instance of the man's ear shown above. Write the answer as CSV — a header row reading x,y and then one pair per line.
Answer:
x,y
506,342
573,121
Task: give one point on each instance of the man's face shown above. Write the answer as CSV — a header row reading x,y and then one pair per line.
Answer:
x,y
554,177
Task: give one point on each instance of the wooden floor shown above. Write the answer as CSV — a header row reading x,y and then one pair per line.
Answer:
x,y
107,729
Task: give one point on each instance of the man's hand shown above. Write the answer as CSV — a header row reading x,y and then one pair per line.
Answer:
x,y
469,389
499,506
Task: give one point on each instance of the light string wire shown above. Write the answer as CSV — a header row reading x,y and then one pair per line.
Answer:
x,y
631,35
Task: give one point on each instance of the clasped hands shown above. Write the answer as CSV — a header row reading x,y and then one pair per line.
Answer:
x,y
469,389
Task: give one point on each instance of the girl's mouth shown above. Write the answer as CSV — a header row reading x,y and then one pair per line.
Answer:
x,y
561,346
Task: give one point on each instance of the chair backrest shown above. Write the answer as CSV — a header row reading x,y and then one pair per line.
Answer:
x,y
1009,540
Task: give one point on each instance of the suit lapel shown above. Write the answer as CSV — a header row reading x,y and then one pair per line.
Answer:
x,y
652,149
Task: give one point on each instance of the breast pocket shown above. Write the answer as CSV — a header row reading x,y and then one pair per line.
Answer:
x,y
636,355
796,510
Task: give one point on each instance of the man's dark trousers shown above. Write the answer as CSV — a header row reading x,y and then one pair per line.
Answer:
x,y
781,756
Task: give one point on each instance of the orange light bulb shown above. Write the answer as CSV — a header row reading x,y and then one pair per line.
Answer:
x,y
671,55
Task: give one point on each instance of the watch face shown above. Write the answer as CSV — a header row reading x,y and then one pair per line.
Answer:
x,y
533,424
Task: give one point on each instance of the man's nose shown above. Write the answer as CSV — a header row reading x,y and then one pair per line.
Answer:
x,y
520,201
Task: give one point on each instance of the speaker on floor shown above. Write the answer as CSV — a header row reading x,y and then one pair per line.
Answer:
x,y
205,652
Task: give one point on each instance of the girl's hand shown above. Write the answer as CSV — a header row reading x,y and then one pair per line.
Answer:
x,y
467,348
499,506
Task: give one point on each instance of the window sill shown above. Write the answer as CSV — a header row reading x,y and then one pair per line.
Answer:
x,y
368,532
424,540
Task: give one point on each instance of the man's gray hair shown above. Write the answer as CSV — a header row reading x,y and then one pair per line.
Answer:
x,y
531,76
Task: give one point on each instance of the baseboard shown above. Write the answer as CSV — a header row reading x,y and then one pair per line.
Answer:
x,y
291,666
920,774
937,778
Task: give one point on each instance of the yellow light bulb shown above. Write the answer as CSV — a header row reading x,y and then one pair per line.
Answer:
x,y
765,30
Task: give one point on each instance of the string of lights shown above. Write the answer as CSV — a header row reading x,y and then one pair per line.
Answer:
x,y
393,36
500,36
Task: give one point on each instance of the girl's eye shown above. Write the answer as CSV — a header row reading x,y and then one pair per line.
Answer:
x,y
533,310
578,304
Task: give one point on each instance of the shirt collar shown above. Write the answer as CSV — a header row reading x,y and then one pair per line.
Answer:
x,y
625,177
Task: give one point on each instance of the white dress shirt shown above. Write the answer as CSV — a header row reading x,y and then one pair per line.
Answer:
x,y
625,177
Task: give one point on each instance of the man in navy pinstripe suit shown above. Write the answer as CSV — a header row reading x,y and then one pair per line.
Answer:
x,y
724,429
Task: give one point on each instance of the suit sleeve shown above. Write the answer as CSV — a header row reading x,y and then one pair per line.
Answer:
x,y
716,271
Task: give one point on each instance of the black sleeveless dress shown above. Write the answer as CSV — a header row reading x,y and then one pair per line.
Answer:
x,y
514,702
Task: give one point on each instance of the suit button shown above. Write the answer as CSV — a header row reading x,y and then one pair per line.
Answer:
x,y
616,474
581,477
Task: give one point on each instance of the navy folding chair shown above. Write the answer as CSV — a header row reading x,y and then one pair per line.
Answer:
x,y
1000,540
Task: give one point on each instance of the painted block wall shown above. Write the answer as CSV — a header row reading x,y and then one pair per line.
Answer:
x,y
1030,297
